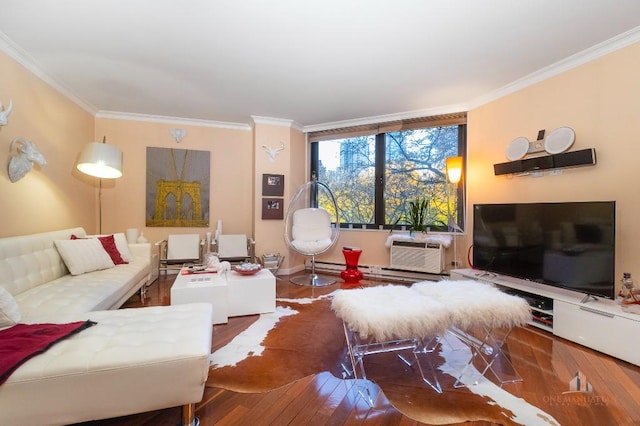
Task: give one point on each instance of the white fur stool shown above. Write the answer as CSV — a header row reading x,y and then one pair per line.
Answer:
x,y
482,317
386,319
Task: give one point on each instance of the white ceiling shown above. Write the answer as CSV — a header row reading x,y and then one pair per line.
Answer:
x,y
314,62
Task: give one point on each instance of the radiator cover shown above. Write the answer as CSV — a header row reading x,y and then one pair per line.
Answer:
x,y
419,256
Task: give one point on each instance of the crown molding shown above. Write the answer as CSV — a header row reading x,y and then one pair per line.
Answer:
x,y
171,120
23,58
272,121
388,117
588,55
609,46
599,50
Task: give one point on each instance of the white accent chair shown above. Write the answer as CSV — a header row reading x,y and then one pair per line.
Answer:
x,y
235,248
177,250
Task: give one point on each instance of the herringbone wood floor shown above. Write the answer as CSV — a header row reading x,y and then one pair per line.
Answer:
x,y
325,400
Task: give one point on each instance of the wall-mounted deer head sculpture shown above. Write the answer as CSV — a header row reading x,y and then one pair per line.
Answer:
x,y
4,113
273,152
23,154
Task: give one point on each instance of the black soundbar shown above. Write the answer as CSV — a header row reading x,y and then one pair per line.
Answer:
x,y
583,157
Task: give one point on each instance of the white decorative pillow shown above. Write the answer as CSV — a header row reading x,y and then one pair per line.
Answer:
x,y
121,245
9,311
311,224
83,255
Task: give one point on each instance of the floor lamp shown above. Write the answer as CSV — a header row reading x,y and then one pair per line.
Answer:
x,y
103,161
454,175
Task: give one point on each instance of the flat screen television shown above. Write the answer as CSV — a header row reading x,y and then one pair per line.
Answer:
x,y
569,244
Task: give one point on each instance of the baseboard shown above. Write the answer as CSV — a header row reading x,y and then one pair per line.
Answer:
x,y
378,272
369,271
292,270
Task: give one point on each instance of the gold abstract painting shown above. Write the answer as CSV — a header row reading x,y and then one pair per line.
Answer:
x,y
177,187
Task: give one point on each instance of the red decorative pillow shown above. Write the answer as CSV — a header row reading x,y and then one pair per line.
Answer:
x,y
109,244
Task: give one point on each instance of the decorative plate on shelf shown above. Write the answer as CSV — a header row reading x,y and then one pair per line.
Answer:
x,y
247,268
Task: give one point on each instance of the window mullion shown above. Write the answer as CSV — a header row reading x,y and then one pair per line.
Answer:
x,y
315,162
461,202
380,178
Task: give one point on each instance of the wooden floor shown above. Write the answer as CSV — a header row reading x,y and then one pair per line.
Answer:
x,y
325,400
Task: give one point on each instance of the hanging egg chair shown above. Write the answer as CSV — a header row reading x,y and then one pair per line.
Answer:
x,y
312,227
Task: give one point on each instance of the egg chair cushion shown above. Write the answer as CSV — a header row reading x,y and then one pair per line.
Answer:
x,y
311,230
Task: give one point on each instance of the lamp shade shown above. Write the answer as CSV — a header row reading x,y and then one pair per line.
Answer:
x,y
100,160
454,169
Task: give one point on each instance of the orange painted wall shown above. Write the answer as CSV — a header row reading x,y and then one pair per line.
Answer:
x,y
231,175
55,196
290,162
599,100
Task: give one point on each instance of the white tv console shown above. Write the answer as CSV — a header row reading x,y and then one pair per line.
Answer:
x,y
597,323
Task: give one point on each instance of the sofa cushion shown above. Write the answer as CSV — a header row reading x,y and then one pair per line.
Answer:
x,y
134,360
93,291
28,261
83,255
9,311
109,245
121,244
20,343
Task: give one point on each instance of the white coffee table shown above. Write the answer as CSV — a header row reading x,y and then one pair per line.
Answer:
x,y
193,288
251,294
230,293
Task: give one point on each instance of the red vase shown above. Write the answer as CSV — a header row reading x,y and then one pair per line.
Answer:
x,y
351,275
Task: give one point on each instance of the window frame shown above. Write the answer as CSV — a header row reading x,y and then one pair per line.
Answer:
x,y
380,131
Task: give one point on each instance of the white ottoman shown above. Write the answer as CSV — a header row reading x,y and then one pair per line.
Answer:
x,y
202,288
251,294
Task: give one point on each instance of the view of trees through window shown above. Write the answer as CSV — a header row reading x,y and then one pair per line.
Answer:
x,y
375,177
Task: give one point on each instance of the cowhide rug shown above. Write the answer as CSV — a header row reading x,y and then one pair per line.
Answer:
x,y
304,337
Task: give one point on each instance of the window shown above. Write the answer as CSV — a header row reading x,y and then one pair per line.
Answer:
x,y
375,172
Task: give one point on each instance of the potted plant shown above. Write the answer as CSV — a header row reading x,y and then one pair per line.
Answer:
x,y
416,216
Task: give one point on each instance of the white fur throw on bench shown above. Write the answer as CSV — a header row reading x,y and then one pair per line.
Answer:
x,y
390,312
472,303
427,308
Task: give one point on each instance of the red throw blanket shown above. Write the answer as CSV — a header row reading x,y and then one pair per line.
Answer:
x,y
24,341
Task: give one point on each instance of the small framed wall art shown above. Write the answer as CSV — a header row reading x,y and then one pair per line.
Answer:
x,y
272,208
272,185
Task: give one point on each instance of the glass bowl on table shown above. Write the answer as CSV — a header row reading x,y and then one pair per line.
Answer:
x,y
247,268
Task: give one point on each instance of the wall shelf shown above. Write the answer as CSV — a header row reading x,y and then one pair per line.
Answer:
x,y
583,157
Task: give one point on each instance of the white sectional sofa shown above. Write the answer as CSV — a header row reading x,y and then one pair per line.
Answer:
x,y
132,360
33,271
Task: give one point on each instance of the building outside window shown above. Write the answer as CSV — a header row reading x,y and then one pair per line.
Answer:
x,y
376,171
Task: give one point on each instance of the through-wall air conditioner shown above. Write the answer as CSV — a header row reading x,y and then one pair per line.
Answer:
x,y
419,256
